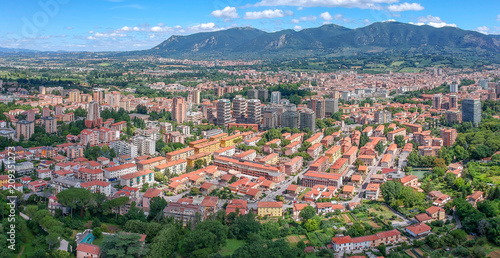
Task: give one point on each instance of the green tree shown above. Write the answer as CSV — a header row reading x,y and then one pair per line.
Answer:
x,y
123,245
391,190
307,213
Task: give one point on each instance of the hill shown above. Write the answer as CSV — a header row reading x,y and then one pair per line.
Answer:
x,y
328,39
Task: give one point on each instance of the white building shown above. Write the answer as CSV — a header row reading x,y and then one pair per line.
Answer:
x,y
124,148
112,173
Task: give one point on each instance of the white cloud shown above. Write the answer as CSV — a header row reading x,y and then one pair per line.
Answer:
x,y
305,19
366,21
326,16
498,17
433,21
267,14
483,29
227,13
340,17
363,4
297,27
405,7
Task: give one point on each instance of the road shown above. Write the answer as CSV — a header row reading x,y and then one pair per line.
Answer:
x,y
373,170
283,186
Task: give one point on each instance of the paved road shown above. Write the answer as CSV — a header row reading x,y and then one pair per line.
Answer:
x,y
283,186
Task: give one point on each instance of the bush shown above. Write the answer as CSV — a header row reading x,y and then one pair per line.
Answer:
x,y
97,232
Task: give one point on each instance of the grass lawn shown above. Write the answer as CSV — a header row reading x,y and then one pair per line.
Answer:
x,y
231,246
98,241
419,173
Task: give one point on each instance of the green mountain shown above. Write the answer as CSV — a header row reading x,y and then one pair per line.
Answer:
x,y
326,40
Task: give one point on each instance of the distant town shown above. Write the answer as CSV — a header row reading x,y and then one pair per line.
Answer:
x,y
213,159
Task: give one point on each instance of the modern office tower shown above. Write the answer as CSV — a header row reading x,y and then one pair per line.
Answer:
x,y
270,119
471,110
98,95
437,101
145,145
284,102
50,124
449,136
195,96
254,111
453,88
290,118
25,128
263,94
211,114
93,115
453,101
346,95
253,94
307,119
382,117
275,97
240,109
113,98
45,112
318,106
179,110
124,148
223,112
331,106
74,96
59,110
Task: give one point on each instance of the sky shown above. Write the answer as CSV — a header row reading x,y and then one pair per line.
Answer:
x,y
119,25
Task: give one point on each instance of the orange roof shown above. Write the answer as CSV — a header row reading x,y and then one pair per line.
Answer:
x,y
150,161
88,248
419,228
137,174
124,166
348,189
270,205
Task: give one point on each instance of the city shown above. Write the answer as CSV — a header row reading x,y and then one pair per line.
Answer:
x,y
193,148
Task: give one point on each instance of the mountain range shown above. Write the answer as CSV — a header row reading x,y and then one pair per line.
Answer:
x,y
327,39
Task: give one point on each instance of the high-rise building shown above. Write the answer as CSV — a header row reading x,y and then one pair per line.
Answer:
x,y
453,88
113,98
318,106
195,96
307,119
240,109
74,96
275,97
25,128
124,148
253,94
145,145
483,83
59,110
263,94
382,117
331,106
290,118
471,110
449,136
30,114
179,110
453,116
223,112
270,119
453,101
45,112
93,115
50,124
254,111
346,95
98,95
437,101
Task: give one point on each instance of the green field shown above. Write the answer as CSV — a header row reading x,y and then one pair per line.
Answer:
x,y
231,246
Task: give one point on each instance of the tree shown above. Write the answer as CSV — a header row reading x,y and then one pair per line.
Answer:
x,y
123,245
400,141
97,232
156,206
311,225
307,213
75,198
165,243
52,239
210,235
379,147
390,191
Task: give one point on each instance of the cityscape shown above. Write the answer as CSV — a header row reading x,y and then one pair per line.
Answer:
x,y
380,139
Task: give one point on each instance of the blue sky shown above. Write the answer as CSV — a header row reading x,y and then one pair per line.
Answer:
x,y
103,25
